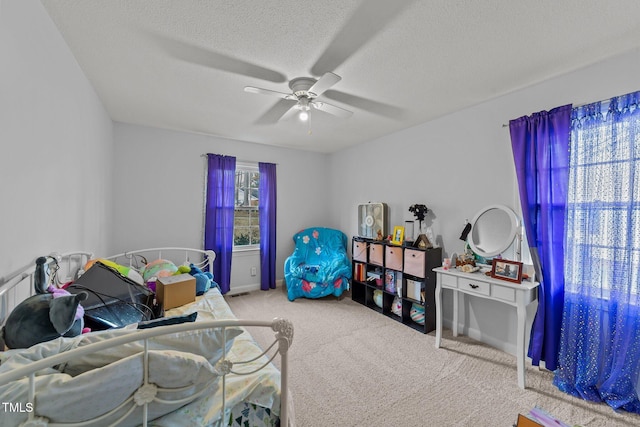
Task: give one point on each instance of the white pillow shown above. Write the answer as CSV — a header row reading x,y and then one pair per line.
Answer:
x,y
203,342
64,398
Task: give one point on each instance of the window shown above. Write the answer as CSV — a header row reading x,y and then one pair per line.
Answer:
x,y
603,209
246,224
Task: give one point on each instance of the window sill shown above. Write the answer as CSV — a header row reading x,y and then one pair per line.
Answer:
x,y
246,250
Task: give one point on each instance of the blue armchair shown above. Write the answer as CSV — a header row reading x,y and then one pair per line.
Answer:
x,y
319,265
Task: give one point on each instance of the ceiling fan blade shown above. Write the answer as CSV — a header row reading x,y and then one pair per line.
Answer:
x,y
326,81
332,109
365,104
276,112
367,20
260,91
208,58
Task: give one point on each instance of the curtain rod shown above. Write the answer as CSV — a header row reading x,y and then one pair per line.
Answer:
x,y
243,161
578,106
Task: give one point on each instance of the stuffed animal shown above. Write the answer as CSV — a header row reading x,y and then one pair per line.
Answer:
x,y
49,314
183,269
204,280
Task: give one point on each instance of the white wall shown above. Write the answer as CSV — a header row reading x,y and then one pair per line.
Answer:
x,y
55,144
158,185
459,163
57,167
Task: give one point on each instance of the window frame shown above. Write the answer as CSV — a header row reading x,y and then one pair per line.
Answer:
x,y
252,168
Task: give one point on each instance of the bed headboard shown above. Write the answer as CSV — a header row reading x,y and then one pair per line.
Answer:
x,y
19,285
203,259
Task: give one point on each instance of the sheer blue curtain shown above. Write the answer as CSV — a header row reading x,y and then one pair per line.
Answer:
x,y
599,357
267,218
540,145
219,210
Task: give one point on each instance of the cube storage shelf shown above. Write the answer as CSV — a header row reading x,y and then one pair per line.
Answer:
x,y
380,265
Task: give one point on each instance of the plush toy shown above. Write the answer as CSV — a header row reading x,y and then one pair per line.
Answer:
x,y
183,269
158,268
204,280
49,314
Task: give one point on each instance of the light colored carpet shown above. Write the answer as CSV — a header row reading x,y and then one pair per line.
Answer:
x,y
351,366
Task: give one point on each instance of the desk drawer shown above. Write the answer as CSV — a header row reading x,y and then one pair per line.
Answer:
x,y
448,281
376,254
393,258
474,286
360,251
503,293
414,262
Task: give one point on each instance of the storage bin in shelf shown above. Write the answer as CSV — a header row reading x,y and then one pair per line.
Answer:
x,y
414,262
359,251
393,257
376,254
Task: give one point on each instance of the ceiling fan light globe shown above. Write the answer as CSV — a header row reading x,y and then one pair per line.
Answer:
x,y
304,115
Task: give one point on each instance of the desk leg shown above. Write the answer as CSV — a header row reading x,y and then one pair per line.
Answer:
x,y
455,313
521,312
438,312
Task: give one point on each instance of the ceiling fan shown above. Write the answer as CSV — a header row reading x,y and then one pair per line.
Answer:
x,y
304,96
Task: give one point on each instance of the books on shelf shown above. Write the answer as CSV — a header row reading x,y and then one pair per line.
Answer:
x,y
393,281
375,276
390,281
359,270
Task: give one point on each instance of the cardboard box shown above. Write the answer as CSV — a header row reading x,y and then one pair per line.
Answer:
x,y
174,291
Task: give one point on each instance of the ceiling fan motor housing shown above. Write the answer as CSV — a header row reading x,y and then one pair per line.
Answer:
x,y
300,87
305,92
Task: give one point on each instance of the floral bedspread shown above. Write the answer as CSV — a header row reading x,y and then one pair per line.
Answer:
x,y
248,396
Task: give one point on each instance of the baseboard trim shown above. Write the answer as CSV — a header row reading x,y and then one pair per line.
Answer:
x,y
243,289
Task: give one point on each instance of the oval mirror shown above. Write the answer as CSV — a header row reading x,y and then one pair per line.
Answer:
x,y
493,230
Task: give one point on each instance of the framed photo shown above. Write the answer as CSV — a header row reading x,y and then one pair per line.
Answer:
x,y
510,271
398,235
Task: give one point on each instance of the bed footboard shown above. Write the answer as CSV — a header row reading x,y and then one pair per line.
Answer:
x,y
148,397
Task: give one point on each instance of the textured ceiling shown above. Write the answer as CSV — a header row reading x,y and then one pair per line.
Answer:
x,y
183,64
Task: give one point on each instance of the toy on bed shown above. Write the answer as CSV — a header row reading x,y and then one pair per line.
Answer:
x,y
204,280
150,271
319,265
205,371
50,313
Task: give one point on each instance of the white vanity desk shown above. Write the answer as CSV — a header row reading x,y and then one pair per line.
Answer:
x,y
478,284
